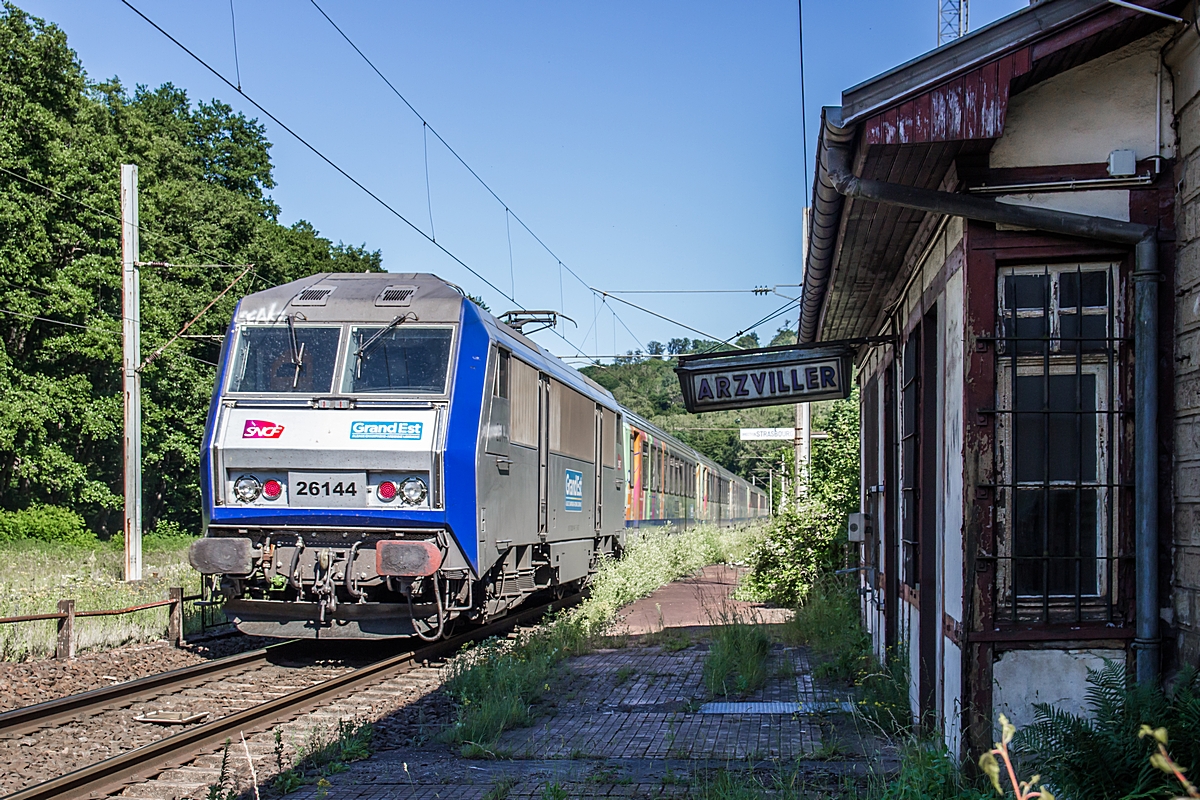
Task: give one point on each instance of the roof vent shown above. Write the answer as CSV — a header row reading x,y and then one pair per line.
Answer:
x,y
396,296
312,296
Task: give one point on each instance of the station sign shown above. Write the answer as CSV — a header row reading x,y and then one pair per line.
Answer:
x,y
767,434
764,377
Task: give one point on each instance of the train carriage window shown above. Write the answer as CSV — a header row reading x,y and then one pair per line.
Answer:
x,y
609,455
501,389
523,385
399,360
283,358
572,423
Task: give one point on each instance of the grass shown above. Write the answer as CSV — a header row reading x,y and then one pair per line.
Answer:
x,y
828,623
39,574
322,754
495,684
736,663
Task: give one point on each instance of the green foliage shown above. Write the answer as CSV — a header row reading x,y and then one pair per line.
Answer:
x,y
204,177
928,772
1103,757
807,539
827,620
46,524
736,663
323,754
494,683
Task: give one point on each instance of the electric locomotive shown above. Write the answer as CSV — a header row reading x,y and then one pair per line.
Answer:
x,y
382,458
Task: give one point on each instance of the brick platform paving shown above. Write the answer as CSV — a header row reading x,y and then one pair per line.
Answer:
x,y
629,722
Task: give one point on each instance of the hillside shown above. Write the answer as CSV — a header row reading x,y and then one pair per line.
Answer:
x,y
648,385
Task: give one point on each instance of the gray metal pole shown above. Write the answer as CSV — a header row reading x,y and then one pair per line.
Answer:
x,y
1145,388
131,309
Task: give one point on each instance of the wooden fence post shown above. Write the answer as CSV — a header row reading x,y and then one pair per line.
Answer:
x,y
175,623
66,630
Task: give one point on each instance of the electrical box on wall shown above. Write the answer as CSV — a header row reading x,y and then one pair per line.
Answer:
x,y
856,527
1122,163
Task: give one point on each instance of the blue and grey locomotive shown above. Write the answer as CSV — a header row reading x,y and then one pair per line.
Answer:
x,y
383,457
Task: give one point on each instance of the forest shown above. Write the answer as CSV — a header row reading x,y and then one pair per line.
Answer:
x,y
205,210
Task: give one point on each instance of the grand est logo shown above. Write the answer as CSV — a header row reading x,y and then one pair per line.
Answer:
x,y
261,429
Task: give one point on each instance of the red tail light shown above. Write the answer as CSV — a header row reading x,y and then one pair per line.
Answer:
x,y
386,491
272,489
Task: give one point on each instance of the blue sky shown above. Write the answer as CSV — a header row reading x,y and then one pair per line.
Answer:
x,y
650,145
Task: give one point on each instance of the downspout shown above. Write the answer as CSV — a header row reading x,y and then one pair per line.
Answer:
x,y
835,170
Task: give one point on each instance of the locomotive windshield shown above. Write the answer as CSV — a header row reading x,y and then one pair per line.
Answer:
x,y
398,359
283,358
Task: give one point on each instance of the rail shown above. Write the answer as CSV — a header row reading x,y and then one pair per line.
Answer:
x,y
66,616
143,763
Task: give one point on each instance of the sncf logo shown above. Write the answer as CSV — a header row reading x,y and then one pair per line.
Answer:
x,y
261,429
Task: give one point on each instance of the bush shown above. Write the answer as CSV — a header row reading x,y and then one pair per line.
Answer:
x,y
46,524
808,540
800,545
1103,757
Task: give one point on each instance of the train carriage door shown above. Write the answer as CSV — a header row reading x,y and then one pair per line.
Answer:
x,y
543,452
598,452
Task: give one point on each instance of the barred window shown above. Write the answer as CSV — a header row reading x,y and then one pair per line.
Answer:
x,y
1057,407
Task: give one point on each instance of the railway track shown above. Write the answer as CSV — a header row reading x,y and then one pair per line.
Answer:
x,y
144,762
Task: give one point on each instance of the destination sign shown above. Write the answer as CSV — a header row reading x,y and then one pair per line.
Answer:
x,y
764,377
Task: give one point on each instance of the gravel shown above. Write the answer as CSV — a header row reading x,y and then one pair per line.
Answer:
x,y
29,682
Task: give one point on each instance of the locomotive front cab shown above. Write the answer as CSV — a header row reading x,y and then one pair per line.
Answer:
x,y
327,510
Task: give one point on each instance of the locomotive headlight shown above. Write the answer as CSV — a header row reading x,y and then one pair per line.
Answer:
x,y
247,488
413,491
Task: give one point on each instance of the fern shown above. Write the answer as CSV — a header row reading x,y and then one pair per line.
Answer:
x,y
1101,757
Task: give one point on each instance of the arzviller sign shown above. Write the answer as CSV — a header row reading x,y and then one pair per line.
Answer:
x,y
767,377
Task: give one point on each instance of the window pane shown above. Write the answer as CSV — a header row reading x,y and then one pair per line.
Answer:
x,y
1095,289
403,360
265,361
1067,557
1027,291
1071,436
1094,337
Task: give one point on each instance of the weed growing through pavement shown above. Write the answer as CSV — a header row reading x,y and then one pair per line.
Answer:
x,y
623,675
736,662
496,683
323,755
500,788
554,791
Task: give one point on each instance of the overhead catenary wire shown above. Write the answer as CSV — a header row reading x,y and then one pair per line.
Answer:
x,y
427,126
93,328
333,164
314,150
653,313
141,228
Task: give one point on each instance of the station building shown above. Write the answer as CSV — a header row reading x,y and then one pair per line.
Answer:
x,y
1011,223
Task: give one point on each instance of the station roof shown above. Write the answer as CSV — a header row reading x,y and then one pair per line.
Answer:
x,y
911,125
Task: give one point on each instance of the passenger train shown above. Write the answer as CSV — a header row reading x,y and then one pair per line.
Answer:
x,y
382,457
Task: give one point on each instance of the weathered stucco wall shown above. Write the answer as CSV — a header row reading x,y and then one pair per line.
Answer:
x,y
1058,677
1184,61
1083,115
